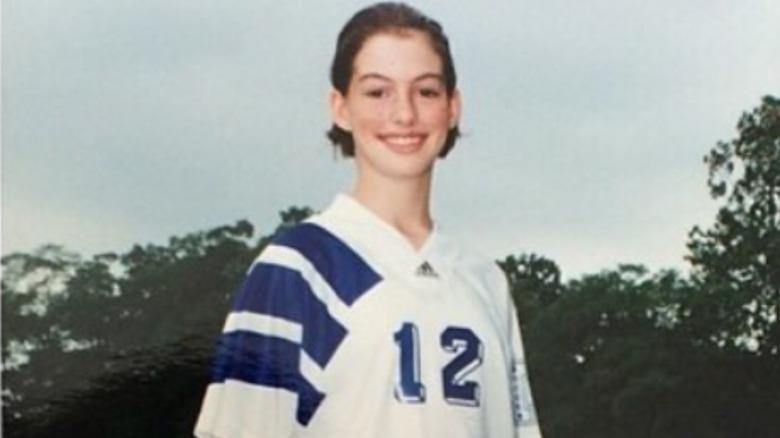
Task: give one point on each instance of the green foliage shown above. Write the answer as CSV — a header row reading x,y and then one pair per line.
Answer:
x,y
738,259
534,283
629,353
118,333
602,364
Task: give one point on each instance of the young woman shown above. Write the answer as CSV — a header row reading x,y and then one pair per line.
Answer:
x,y
366,321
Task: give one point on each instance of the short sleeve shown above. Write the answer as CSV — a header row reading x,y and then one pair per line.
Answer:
x,y
523,408
258,387
280,336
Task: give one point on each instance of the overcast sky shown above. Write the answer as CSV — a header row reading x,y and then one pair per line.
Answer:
x,y
129,121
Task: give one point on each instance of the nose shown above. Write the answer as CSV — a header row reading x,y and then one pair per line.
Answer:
x,y
405,112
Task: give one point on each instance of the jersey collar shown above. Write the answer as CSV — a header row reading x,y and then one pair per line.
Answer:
x,y
382,242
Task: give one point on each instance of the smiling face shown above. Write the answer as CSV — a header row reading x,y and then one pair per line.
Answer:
x,y
397,106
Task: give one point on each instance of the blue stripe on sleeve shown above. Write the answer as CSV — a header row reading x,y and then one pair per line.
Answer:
x,y
268,361
269,289
284,293
344,270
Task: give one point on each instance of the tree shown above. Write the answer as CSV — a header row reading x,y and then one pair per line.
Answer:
x,y
123,333
736,264
534,282
607,362
31,283
738,259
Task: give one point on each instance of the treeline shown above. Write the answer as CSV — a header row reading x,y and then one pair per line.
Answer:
x,y
120,345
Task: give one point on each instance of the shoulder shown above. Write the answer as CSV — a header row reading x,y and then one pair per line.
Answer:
x,y
320,235
306,236
317,243
321,256
479,266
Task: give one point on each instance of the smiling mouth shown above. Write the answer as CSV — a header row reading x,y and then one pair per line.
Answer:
x,y
404,143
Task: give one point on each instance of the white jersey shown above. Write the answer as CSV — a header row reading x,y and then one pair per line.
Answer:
x,y
342,329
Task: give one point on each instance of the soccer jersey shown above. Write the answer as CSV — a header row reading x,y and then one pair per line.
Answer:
x,y
343,329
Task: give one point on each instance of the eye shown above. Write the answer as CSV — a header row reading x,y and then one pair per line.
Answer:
x,y
430,92
375,93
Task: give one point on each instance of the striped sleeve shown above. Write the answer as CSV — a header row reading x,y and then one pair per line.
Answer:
x,y
280,335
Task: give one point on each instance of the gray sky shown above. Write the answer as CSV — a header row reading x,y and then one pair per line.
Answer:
x,y
128,121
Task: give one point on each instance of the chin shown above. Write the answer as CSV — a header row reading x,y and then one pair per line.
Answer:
x,y
409,171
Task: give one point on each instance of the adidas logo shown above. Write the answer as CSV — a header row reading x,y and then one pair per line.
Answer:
x,y
426,270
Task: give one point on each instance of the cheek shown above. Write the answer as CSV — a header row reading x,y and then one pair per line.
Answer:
x,y
368,117
436,116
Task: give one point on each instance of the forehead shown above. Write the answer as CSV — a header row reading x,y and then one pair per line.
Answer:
x,y
398,54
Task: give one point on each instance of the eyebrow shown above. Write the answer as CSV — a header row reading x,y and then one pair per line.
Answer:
x,y
419,78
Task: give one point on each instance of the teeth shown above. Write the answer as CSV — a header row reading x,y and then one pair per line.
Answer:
x,y
403,139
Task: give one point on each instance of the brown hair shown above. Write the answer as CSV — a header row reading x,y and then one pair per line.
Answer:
x,y
385,17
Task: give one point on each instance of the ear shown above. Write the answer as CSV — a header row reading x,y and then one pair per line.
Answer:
x,y
455,108
338,110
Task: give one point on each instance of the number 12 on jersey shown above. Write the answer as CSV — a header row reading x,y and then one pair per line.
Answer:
x,y
467,350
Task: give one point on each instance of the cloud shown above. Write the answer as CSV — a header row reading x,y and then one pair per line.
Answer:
x,y
129,121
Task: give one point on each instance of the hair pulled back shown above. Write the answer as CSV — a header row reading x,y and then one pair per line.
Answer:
x,y
383,18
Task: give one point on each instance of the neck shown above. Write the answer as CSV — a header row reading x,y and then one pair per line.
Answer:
x,y
405,205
